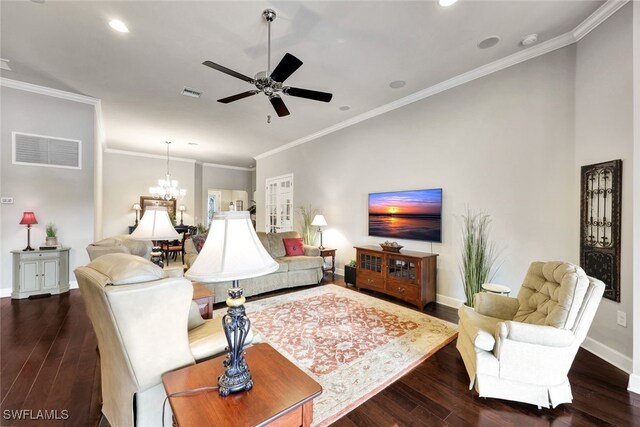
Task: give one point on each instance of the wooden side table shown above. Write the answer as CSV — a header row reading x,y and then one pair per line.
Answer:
x,y
329,252
282,394
204,298
495,288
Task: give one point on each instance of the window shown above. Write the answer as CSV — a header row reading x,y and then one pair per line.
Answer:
x,y
279,204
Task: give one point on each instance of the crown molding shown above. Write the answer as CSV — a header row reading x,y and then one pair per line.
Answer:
x,y
595,19
598,17
56,93
149,156
217,165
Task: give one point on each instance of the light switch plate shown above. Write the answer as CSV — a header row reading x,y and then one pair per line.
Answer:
x,y
6,200
622,319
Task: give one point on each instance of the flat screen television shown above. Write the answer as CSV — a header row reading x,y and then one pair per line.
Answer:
x,y
415,215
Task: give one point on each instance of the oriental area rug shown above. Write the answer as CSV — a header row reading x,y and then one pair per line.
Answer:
x,y
353,344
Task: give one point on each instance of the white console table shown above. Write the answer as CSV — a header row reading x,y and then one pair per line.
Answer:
x,y
40,272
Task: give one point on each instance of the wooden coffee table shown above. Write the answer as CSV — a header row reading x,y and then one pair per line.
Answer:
x,y
282,395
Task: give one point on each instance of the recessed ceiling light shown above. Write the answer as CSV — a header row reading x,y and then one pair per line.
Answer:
x,y
445,3
397,84
489,42
192,144
118,26
344,108
529,40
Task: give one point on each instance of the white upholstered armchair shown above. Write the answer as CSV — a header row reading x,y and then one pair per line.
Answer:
x,y
146,325
521,349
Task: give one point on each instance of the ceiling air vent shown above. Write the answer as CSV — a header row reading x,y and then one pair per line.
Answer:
x,y
191,92
39,150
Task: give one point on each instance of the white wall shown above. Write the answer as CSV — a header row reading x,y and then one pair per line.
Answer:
x,y
604,131
127,176
502,144
509,144
61,196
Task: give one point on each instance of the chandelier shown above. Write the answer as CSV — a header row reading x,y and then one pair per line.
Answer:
x,y
167,188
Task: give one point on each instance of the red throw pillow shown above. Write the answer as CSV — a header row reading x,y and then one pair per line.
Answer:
x,y
294,247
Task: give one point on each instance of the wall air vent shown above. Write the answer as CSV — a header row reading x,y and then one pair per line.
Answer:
x,y
191,92
40,150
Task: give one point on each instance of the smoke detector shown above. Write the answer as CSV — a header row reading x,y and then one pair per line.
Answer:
x,y
529,40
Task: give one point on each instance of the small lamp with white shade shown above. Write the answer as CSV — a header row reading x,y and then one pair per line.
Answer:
x,y
156,226
232,251
319,222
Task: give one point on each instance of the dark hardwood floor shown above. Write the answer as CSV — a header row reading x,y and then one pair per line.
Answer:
x,y
50,363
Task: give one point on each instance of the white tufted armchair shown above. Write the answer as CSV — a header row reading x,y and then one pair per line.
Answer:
x,y
521,349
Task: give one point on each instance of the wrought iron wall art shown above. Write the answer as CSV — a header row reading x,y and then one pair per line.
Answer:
x,y
601,196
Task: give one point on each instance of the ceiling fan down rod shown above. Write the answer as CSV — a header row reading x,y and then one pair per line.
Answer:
x,y
269,15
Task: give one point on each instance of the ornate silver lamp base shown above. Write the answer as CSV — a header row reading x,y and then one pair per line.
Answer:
x,y
156,255
236,328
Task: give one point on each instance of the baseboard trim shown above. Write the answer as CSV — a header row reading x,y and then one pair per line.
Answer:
x,y
448,301
608,354
634,383
6,292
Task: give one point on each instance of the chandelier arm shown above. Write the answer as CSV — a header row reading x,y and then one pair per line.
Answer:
x,y
166,188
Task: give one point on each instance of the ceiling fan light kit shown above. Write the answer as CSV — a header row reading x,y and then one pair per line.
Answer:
x,y
271,83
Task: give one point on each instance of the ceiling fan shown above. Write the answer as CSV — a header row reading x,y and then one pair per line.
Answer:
x,y
271,83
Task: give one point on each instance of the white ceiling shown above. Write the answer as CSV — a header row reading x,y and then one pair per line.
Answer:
x,y
352,49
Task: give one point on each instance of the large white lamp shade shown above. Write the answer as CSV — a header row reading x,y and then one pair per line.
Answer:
x,y
232,251
155,225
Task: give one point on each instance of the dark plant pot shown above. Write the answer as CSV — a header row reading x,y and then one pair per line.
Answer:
x,y
350,274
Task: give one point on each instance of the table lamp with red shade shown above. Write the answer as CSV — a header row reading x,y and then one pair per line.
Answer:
x,y
28,218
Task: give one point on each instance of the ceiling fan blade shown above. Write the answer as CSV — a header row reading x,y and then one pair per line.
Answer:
x,y
287,66
306,93
278,105
228,71
238,96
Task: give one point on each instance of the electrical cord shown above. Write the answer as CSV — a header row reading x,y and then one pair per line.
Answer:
x,y
184,393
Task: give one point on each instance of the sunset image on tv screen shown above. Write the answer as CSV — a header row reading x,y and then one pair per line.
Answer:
x,y
413,215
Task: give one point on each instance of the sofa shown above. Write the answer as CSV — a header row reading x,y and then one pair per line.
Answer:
x,y
146,325
293,271
119,244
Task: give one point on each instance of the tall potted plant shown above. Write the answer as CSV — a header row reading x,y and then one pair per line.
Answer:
x,y
307,231
479,254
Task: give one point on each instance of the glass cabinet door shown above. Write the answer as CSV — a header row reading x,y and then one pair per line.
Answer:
x,y
402,269
370,262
